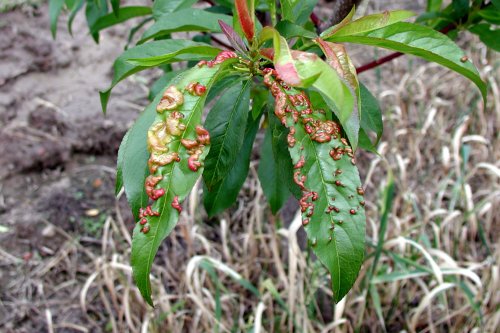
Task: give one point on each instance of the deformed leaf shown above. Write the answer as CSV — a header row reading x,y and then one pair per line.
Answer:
x,y
178,146
332,204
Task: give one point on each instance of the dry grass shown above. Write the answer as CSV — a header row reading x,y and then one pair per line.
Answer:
x,y
432,257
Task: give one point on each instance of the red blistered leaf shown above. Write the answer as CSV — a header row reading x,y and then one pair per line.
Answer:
x,y
245,18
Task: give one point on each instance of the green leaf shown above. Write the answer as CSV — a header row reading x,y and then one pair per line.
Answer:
x,y
420,41
55,7
433,5
125,14
371,115
286,10
188,19
303,10
274,189
119,164
491,16
75,10
223,84
282,159
202,50
259,103
369,23
225,123
123,69
434,15
115,4
178,177
332,205
461,7
491,38
225,192
94,11
496,3
161,7
134,30
162,82
289,30
365,142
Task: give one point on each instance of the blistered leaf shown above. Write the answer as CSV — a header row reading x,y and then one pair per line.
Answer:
x,y
178,146
245,18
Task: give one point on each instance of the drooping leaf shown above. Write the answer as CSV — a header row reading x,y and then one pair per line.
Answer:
x,y
125,14
55,7
245,18
371,115
332,203
174,178
369,23
491,38
225,123
187,19
75,10
273,187
420,41
289,30
225,192
303,10
233,38
122,68
161,7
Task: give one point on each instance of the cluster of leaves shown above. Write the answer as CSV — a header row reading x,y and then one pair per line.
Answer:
x,y
306,152
476,16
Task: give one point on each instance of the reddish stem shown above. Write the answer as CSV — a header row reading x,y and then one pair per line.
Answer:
x,y
315,19
395,55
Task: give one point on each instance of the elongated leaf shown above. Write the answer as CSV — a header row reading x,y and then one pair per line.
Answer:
x,y
287,10
223,84
161,7
55,7
119,164
434,15
332,204
123,69
282,158
93,11
125,14
274,189
371,115
225,123
370,23
233,38
289,30
115,4
303,10
188,19
203,50
177,176
75,10
225,192
420,41
245,18
345,20
491,16
491,38
433,5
